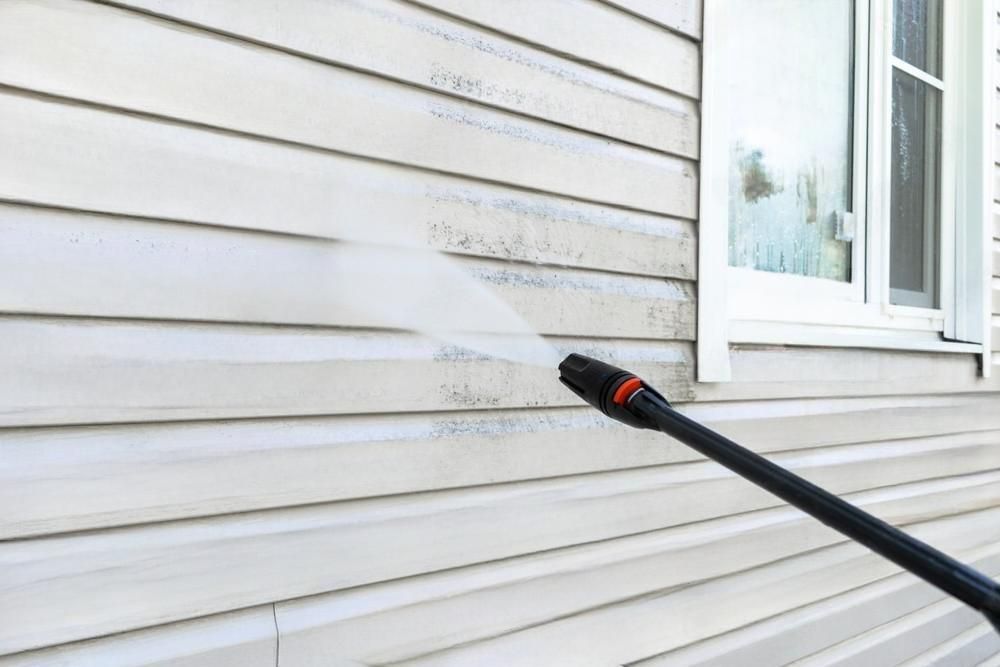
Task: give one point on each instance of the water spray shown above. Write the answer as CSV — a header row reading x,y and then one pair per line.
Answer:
x,y
624,397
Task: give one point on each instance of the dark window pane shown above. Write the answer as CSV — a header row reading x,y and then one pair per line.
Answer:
x,y
915,191
917,33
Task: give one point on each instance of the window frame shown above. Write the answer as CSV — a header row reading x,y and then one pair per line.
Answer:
x,y
739,305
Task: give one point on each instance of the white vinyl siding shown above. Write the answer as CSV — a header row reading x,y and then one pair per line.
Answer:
x,y
206,462
996,200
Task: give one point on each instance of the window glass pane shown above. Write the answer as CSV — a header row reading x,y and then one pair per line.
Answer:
x,y
916,33
915,190
789,71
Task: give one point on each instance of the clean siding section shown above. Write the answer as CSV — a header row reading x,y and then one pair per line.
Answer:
x,y
246,638
978,645
596,638
576,599
102,582
820,625
923,632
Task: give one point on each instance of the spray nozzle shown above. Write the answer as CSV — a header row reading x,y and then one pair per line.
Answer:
x,y
608,388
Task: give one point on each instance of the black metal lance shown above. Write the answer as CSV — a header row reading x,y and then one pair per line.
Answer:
x,y
624,397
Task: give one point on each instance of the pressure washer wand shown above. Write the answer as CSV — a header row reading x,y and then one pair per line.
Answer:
x,y
624,397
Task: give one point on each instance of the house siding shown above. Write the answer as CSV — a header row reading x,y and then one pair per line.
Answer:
x,y
996,199
205,460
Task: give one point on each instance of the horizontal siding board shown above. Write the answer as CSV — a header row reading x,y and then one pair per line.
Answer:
x,y
819,625
68,371
102,582
158,371
901,639
404,42
53,262
57,479
681,15
264,92
245,638
76,157
397,621
764,372
792,424
601,35
976,646
657,623
165,471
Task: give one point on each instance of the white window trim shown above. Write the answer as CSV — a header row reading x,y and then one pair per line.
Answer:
x,y
744,306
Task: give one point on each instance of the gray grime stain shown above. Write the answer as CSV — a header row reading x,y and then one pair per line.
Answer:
x,y
500,426
502,129
545,208
458,353
471,40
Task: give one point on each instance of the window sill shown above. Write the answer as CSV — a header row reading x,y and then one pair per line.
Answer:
x,y
826,335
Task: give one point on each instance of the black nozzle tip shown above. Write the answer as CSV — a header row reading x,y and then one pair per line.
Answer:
x,y
596,382
588,378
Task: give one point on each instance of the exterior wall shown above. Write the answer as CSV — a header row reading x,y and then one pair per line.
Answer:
x,y
996,204
203,462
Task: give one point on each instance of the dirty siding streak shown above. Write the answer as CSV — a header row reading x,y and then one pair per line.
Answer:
x,y
375,117
223,179
205,461
427,49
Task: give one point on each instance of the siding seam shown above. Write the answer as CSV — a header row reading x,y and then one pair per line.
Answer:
x,y
277,635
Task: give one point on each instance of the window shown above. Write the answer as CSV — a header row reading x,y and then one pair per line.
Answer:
x,y
845,181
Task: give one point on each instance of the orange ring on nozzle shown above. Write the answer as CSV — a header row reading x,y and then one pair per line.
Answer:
x,y
626,389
